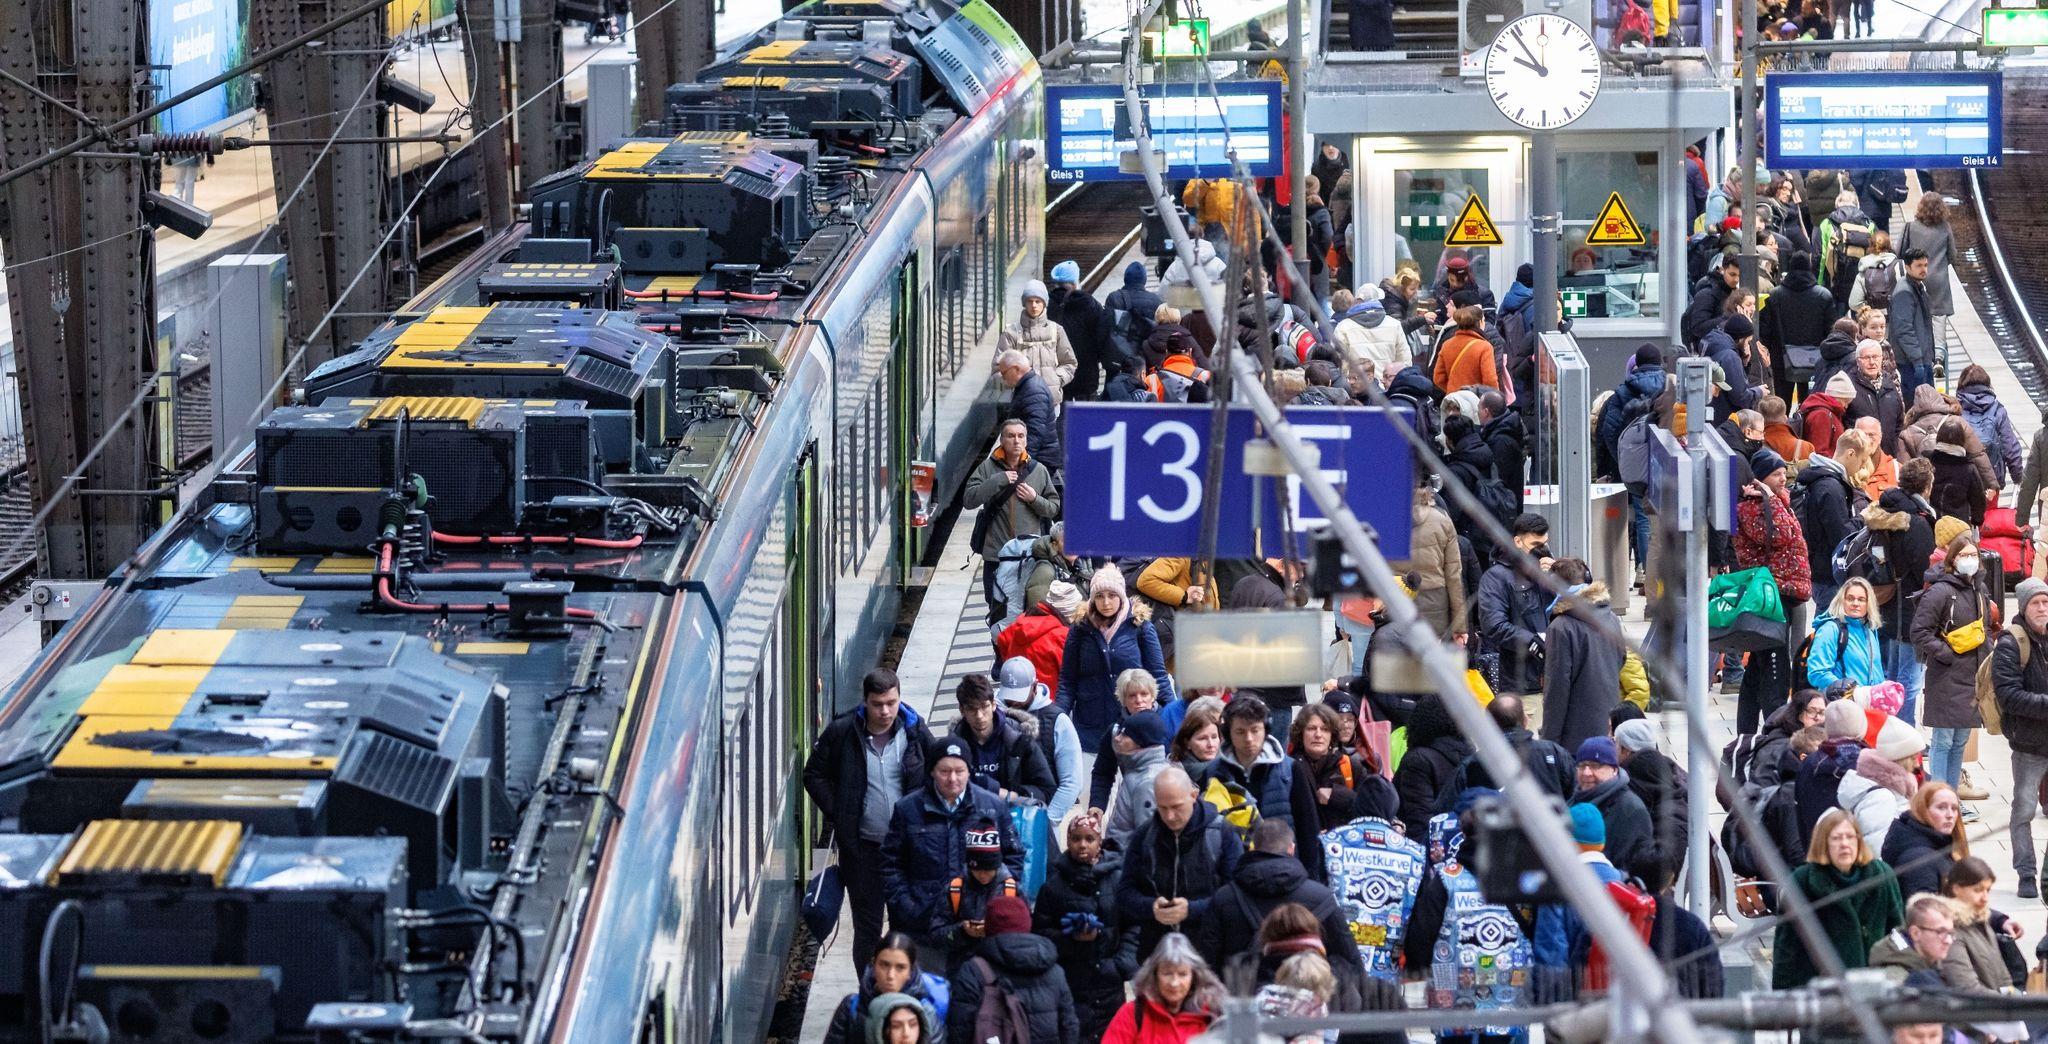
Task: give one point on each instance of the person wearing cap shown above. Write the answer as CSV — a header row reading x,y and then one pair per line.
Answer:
x,y
930,834
1089,330
1816,784
2019,679
1558,925
1582,663
1767,534
1877,395
1042,340
861,766
1024,966
1510,605
1140,752
1175,862
1458,275
1884,780
1023,694
1799,313
1268,876
1660,783
1953,603
1013,489
1113,635
1004,755
1603,786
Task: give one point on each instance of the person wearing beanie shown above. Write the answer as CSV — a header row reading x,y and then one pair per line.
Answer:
x,y
1559,928
1634,737
1728,344
899,1018
1953,600
1113,635
1090,330
1604,786
1946,529
936,833
1657,780
1821,413
1139,747
1020,964
1817,783
1268,876
1884,780
2019,680
1133,312
963,914
1876,396
1768,534
1042,340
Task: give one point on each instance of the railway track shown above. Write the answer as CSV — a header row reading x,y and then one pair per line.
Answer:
x,y
2001,234
1095,225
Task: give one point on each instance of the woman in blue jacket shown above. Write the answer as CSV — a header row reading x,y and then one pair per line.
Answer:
x,y
1845,645
1111,637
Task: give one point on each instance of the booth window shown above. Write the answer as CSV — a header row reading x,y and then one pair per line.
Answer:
x,y
1610,282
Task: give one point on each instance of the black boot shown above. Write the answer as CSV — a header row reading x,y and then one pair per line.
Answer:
x,y
2026,887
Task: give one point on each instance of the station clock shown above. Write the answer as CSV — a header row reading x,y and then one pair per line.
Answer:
x,y
1543,71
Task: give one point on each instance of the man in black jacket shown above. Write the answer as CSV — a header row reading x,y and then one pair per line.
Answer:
x,y
1507,438
1877,396
1603,784
1175,863
1703,312
1088,329
1824,493
2019,677
1511,616
1032,402
1551,765
1001,759
931,831
1799,312
1266,877
1435,750
863,763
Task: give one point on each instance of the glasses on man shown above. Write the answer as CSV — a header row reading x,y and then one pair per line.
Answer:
x,y
1945,933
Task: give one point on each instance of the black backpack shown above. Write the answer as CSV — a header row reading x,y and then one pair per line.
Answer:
x,y
1777,808
1806,649
1878,284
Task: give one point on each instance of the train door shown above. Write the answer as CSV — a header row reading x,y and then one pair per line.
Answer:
x,y
916,375
807,660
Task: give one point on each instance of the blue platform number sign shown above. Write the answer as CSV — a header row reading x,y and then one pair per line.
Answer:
x,y
1137,480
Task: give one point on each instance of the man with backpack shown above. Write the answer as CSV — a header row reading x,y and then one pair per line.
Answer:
x,y
1013,990
1844,243
1176,862
1266,877
1911,323
1132,310
2019,680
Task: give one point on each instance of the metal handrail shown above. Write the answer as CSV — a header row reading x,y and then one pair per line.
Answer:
x,y
2024,317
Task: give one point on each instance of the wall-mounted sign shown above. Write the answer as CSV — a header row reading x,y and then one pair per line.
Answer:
x,y
1884,120
192,41
1090,128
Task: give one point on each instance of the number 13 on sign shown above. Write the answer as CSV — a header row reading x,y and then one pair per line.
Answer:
x,y
1178,469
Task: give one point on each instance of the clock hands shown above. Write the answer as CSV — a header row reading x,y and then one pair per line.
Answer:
x,y
1530,61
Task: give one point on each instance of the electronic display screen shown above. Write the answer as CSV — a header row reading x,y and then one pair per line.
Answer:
x,y
1091,129
1884,120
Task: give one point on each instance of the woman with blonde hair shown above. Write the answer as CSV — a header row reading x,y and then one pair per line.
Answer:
x,y
1178,994
1845,645
1927,838
1854,894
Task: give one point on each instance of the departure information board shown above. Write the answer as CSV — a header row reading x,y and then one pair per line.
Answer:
x,y
1091,128
1884,120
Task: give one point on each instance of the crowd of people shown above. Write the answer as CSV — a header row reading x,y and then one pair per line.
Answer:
x,y
1093,852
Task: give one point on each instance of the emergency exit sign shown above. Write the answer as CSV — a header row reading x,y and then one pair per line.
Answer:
x,y
2015,27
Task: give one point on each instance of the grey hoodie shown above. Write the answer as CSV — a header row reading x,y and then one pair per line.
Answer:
x,y
1133,804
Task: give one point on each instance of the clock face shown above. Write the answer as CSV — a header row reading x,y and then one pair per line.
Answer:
x,y
1543,71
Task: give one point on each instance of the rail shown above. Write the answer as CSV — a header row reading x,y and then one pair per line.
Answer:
x,y
1995,257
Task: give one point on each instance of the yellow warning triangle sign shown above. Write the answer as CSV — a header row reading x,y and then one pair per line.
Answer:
x,y
1474,227
1615,227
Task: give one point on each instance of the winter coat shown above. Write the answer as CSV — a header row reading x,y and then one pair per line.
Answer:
x,y
1824,493
1820,420
1472,460
1435,751
1876,792
1958,489
1282,792
1923,421
1401,308
989,489
1098,968
1265,880
1581,669
850,1015
1156,1025
1439,568
1037,404
1779,437
1853,924
1162,864
1910,323
1511,620
1720,349
1027,967
1133,805
2035,477
1682,943
2022,692
1045,343
1837,355
1949,696
1919,854
1367,793
1629,829
1010,758
1131,308
1167,339
1939,242
1973,964
1631,399
927,848
1773,541
1087,326
1368,333
1509,440
1703,311
1465,360
1091,662
1870,263
1903,963
1660,783
838,767
1844,650
1771,761
1040,635
1817,786
1053,729
1994,429
1906,525
1799,312
1880,399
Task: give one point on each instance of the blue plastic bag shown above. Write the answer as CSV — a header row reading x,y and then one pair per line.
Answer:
x,y
1034,833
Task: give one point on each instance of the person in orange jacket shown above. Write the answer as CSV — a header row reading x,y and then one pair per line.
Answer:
x,y
1467,357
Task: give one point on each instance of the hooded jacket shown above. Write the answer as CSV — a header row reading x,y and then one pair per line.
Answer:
x,y
1798,312
1439,566
1949,695
1958,489
1630,400
1506,436
1703,311
1263,881
1973,964
1994,429
1190,864
1880,399
1170,339
1853,923
1435,750
1131,308
1045,343
1818,783
1133,801
1825,496
1906,526
1923,422
874,1027
1629,829
1837,355
1088,328
1367,332
1027,966
1918,853
1283,792
1820,420
1581,670
1097,968
850,1017
1091,662
1660,783
1010,758
1876,792
1720,349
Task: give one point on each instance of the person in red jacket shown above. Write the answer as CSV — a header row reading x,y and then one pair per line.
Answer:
x,y
1821,414
1040,635
1767,534
1177,997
